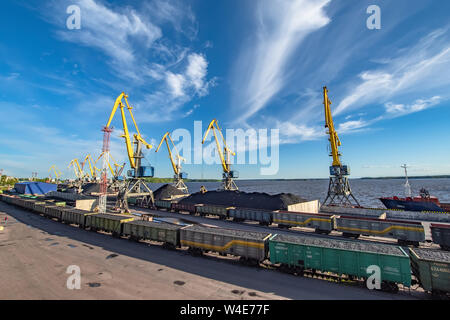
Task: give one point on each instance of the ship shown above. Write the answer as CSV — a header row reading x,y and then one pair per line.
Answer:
x,y
423,202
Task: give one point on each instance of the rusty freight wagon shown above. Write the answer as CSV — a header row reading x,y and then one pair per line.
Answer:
x,y
250,246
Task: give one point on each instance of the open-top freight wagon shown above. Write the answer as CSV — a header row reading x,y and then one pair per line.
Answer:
x,y
406,232
440,233
432,269
357,260
250,246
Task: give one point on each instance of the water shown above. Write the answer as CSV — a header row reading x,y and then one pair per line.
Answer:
x,y
366,191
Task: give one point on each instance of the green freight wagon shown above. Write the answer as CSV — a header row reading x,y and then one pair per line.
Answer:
x,y
156,231
264,217
75,216
165,204
107,222
221,211
322,223
251,246
342,257
54,211
432,269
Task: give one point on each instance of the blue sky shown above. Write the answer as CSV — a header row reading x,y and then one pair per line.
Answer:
x,y
250,64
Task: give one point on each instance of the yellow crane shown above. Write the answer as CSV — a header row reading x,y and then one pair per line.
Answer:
x,y
176,166
92,168
133,155
134,187
114,172
56,171
76,169
339,191
228,175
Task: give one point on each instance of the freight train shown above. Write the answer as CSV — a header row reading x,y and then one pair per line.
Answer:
x,y
340,259
405,232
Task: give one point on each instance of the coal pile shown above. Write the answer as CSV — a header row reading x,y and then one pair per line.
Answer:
x,y
433,255
256,200
166,192
92,187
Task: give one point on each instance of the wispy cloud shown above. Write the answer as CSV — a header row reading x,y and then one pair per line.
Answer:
x,y
415,70
397,110
282,26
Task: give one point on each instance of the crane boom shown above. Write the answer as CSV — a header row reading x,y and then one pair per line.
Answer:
x,y
76,168
175,166
228,175
214,125
333,136
136,137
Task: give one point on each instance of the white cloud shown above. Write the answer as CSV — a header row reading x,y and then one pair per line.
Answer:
x,y
196,72
175,83
419,105
260,72
112,31
415,70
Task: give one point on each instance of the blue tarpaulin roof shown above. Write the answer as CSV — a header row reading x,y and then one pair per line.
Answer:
x,y
32,187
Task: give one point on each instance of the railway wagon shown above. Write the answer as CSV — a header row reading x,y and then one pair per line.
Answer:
x,y
163,204
216,210
54,211
440,233
432,269
406,232
264,217
322,223
250,246
167,233
75,216
342,257
188,207
6,198
107,222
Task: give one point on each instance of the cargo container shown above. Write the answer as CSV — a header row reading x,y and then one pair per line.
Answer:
x,y
264,217
155,231
250,246
322,223
216,210
107,222
440,233
432,269
406,232
342,257
75,216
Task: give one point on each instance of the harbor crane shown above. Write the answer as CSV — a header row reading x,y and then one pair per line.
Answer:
x,y
339,191
56,171
117,171
135,187
228,175
92,168
79,174
176,166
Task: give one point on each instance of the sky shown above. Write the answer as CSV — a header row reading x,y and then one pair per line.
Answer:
x,y
249,64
